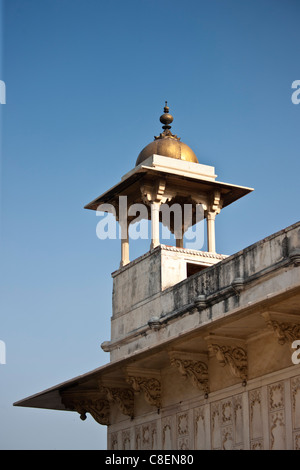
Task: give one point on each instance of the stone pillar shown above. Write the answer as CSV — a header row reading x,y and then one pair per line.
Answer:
x,y
211,237
179,242
124,244
154,224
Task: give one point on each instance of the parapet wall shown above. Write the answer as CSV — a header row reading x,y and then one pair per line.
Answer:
x,y
141,306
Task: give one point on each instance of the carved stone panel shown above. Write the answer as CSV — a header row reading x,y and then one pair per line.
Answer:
x,y
167,434
276,396
200,428
114,441
255,417
227,412
154,436
238,420
138,438
276,416
227,438
295,399
295,390
148,436
227,426
182,429
277,431
257,445
297,441
216,425
126,439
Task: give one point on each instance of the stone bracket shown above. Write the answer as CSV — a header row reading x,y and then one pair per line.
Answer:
x,y
231,352
285,327
154,193
147,382
193,367
122,397
215,205
88,402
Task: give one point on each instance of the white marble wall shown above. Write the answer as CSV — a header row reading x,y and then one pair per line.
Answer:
x,y
263,415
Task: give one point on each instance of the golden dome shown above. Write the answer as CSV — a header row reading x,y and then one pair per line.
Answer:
x,y
167,144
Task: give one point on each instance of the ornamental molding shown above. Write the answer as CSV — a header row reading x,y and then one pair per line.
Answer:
x,y
294,256
193,367
199,254
231,352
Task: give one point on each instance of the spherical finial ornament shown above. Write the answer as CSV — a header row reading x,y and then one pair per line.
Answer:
x,y
166,118
168,145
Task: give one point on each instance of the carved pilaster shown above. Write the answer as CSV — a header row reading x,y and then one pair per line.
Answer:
x,y
193,367
231,353
88,403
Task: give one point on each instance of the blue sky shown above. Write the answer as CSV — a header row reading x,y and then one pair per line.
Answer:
x,y
86,81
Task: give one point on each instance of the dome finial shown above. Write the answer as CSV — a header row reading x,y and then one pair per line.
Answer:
x,y
167,144
166,118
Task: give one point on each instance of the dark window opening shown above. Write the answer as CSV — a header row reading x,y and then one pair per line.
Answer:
x,y
192,268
